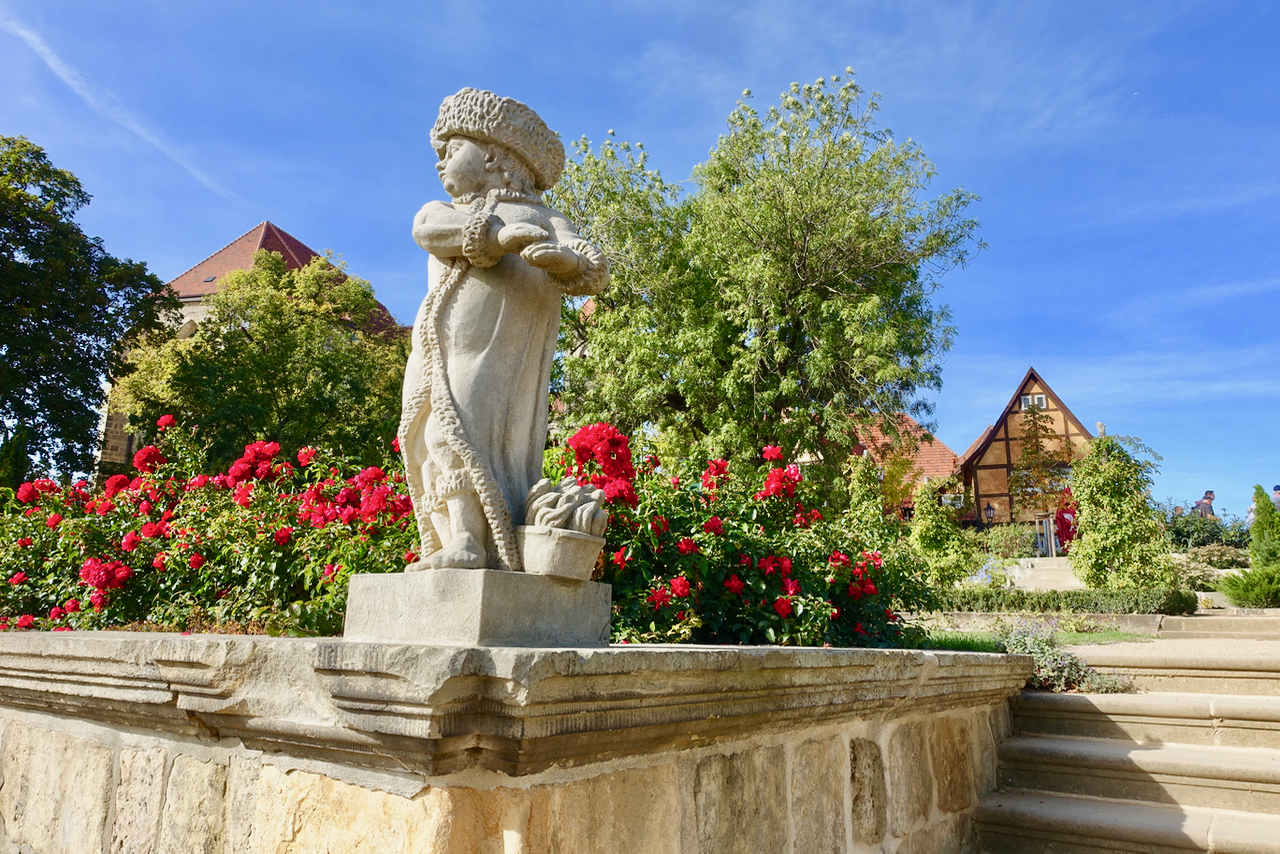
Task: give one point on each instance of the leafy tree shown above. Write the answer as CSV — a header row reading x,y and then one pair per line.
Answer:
x,y
1264,536
1259,586
1120,539
68,312
787,298
1041,472
287,355
948,554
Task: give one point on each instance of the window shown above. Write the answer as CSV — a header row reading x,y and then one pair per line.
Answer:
x,y
1029,400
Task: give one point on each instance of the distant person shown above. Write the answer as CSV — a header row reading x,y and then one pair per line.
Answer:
x,y
1064,521
1275,495
1204,507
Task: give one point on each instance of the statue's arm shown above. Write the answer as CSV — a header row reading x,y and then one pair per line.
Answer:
x,y
482,238
577,266
438,228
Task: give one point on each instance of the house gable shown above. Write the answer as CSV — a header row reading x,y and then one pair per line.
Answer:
x,y
988,463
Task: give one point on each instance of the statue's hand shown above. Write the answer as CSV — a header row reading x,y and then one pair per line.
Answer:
x,y
516,236
555,258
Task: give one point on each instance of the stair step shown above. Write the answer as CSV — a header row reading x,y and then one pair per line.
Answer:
x,y
1252,626
1210,635
1184,673
1229,720
1231,778
1035,823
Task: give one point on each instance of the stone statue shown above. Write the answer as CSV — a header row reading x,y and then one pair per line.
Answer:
x,y
474,422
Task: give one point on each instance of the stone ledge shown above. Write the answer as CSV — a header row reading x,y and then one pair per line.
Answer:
x,y
438,710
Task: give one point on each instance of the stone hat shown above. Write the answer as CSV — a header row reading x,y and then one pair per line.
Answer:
x,y
482,115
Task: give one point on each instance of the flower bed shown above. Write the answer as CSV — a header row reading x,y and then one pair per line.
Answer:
x,y
694,553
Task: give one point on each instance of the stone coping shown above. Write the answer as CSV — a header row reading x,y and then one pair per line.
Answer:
x,y
437,710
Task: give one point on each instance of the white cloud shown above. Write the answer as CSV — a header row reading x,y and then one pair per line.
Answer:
x,y
108,106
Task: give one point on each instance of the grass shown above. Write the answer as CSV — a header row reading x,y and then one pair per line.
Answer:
x,y
990,641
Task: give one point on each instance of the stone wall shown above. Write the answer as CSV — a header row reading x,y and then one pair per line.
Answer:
x,y
127,743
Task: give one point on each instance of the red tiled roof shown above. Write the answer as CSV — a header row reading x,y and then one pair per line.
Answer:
x,y
933,458
238,255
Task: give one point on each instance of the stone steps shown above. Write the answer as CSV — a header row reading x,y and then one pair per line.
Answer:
x,y
1205,719
1020,822
1202,674
1218,625
1244,779
1191,765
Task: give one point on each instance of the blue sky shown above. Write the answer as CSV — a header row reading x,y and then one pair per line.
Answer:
x,y
1125,154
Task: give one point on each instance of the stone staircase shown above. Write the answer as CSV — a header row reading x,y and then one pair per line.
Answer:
x,y
1044,573
1192,764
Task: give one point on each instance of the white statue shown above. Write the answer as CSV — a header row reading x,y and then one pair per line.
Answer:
x,y
474,422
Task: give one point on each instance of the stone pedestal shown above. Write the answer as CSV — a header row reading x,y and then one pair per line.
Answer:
x,y
477,607
116,741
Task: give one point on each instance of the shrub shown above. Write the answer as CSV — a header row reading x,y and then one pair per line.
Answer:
x,y
949,556
1121,538
267,542
1264,536
1191,530
1056,669
1254,588
1124,601
1010,542
705,556
1220,556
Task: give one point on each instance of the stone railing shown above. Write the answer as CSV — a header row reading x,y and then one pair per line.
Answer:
x,y
133,742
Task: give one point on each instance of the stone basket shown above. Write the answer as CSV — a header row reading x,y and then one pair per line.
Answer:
x,y
559,552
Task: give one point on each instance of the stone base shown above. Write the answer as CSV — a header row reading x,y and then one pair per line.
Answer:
x,y
477,607
132,742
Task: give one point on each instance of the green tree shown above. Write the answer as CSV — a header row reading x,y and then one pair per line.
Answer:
x,y
1120,539
1040,473
1264,536
68,312
285,355
1259,585
786,300
948,554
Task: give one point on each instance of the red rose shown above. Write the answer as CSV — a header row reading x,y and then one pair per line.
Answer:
x,y
659,596
26,621
17,578
71,606
305,456
771,452
130,541
735,584
410,556
148,458
158,561
115,484
680,586
53,520
97,599
23,542
164,422
714,526
27,493
282,536
195,561
620,558
791,587
56,613
783,606
395,444
687,546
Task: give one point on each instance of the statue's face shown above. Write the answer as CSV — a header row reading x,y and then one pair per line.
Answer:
x,y
463,170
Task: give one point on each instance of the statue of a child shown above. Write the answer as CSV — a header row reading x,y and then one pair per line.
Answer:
x,y
474,422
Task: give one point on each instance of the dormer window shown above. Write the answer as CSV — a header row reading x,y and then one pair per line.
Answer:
x,y
1029,400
